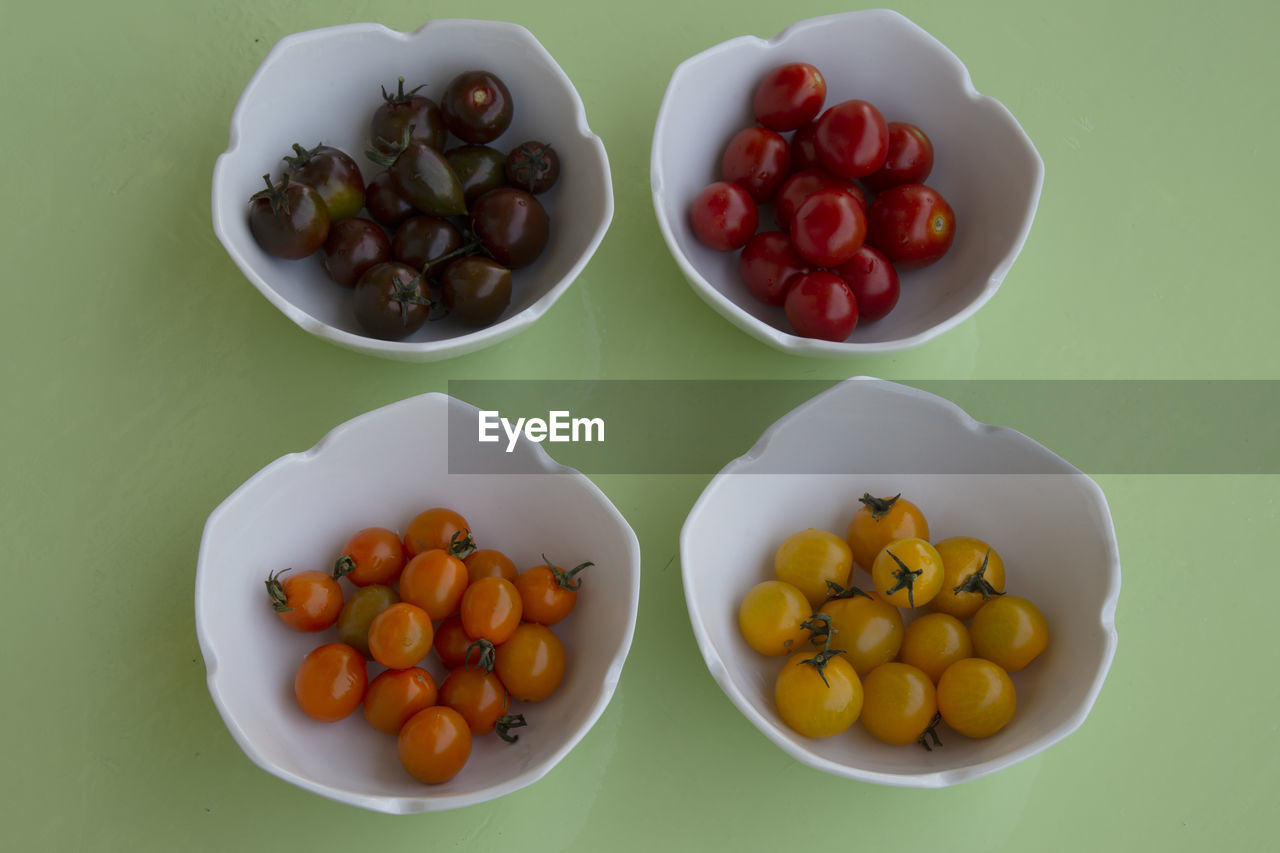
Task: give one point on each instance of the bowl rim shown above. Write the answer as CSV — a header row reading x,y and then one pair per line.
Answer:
x,y
222,207
426,802
960,418
772,335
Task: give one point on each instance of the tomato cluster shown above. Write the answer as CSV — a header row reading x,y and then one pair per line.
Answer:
x,y
445,226
489,624
849,201
853,656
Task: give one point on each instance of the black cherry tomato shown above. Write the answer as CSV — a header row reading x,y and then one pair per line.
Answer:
x,y
402,110
333,174
352,247
533,167
512,226
479,168
384,202
476,106
422,240
475,290
288,220
391,301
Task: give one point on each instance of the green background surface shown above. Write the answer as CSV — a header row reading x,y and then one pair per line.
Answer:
x,y
146,379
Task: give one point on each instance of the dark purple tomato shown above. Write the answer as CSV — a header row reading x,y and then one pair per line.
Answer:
x,y
402,110
479,169
333,174
424,178
384,202
391,301
476,290
352,247
873,280
476,106
769,264
289,220
533,167
511,225
421,240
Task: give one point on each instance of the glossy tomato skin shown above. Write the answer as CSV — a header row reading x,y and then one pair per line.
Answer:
x,y
808,559
724,216
543,597
372,555
451,642
898,703
396,695
828,227
424,178
1009,631
478,695
358,613
330,682
934,641
820,305
973,574
421,240
400,636
817,703
401,110
532,166
531,663
512,224
352,247
391,301
907,573
912,224
475,290
437,527
491,610
333,174
852,139
789,96
976,697
771,618
306,601
384,202
434,744
758,160
288,220
489,562
879,521
867,630
804,148
769,264
434,580
909,160
798,186
477,107
479,168
873,280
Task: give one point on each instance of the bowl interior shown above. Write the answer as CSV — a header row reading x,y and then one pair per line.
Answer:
x,y
300,510
985,165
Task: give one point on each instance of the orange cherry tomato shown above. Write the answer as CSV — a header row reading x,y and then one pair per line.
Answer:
x,y
548,592
866,629
972,573
489,563
434,580
1009,631
396,695
401,635
880,521
898,703
477,695
976,697
772,618
308,601
491,610
907,573
434,744
330,682
531,663
933,642
373,555
358,612
451,642
439,528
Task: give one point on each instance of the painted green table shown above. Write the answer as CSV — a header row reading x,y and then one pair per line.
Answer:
x,y
145,379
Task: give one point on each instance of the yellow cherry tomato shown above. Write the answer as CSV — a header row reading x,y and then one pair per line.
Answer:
x,y
935,641
818,695
972,574
1009,631
907,573
866,630
898,703
880,521
810,558
771,618
976,697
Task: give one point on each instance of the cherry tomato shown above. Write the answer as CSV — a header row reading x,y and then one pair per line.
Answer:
x,y
451,642
435,581
358,612
384,202
804,148
972,574
808,559
512,225
828,227
724,216
898,703
789,96
434,744
852,139
423,176
867,630
907,573
880,521
491,610
391,301
532,166
820,305
976,697
768,265
479,169
909,160
772,616
756,159
371,555
934,641
475,290
531,662
308,601
487,562
912,224
1009,631
476,694
548,593
477,107
873,280
438,527
798,186
354,246
396,695
333,174
402,110
400,635
422,240
331,681
288,220
818,695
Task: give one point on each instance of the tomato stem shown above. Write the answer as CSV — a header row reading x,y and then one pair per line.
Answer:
x,y
837,592
279,601
343,566
977,581
384,152
879,506
931,733
485,660
401,96
406,294
819,661
506,723
462,544
906,579
275,193
302,156
567,580
819,625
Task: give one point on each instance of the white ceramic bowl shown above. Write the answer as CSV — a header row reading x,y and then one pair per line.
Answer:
x,y
299,510
1049,522
323,86
985,166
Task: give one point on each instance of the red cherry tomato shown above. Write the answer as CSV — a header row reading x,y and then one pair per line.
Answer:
x,y
820,305
909,161
852,139
768,265
873,280
828,228
789,96
800,185
804,148
373,555
912,224
756,159
724,216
